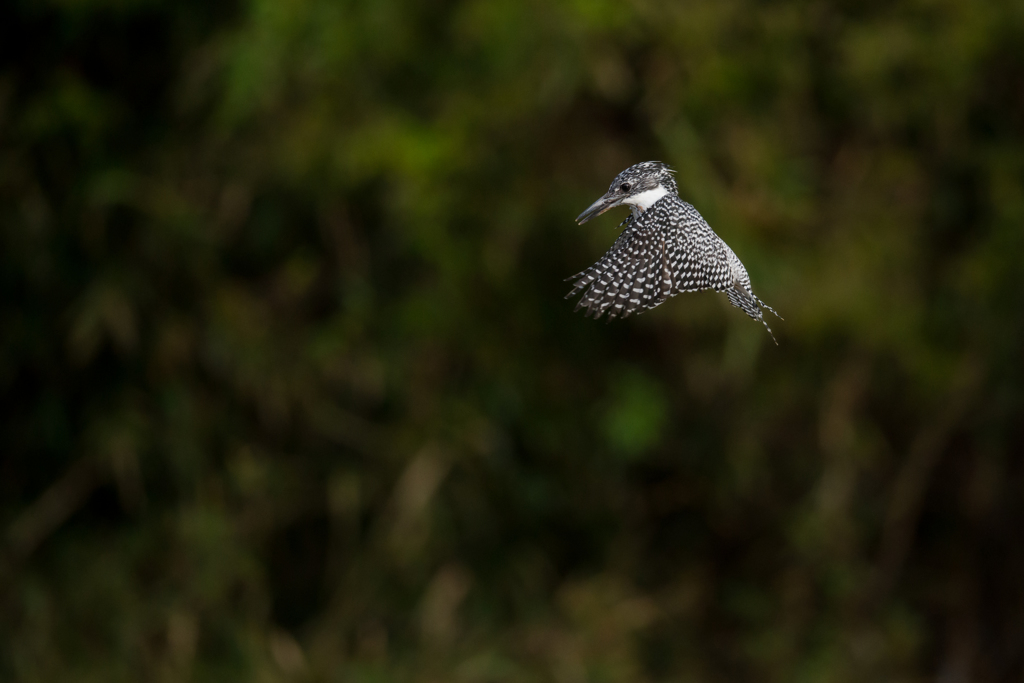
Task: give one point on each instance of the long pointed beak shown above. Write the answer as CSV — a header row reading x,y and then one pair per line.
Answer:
x,y
597,208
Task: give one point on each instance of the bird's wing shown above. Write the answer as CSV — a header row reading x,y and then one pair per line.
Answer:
x,y
696,257
631,276
666,250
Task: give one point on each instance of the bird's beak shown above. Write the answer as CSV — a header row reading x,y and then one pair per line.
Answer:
x,y
597,208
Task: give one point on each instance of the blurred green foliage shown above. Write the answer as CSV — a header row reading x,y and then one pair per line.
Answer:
x,y
289,390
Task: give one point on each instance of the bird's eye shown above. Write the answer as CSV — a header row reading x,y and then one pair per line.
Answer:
x,y
624,187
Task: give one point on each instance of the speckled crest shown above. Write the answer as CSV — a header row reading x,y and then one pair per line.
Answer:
x,y
644,176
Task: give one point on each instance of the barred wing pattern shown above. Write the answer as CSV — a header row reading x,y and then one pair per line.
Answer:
x,y
665,250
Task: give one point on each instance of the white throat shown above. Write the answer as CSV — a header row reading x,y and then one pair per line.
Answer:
x,y
645,200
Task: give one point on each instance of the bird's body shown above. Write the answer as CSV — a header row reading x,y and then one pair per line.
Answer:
x,y
665,248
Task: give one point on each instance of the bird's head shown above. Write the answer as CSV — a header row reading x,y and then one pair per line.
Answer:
x,y
639,186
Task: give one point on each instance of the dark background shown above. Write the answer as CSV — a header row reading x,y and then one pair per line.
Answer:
x,y
289,391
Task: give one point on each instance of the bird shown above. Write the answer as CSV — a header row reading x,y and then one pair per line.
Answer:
x,y
665,248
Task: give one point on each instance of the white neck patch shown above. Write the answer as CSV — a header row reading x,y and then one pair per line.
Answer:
x,y
645,200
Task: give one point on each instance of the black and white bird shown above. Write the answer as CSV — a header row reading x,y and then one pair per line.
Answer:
x,y
665,248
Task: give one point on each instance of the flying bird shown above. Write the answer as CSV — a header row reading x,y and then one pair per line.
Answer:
x,y
665,248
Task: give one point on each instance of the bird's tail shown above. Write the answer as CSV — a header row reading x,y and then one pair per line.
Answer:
x,y
745,300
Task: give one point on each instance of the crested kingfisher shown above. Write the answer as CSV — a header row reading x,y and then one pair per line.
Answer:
x,y
665,248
